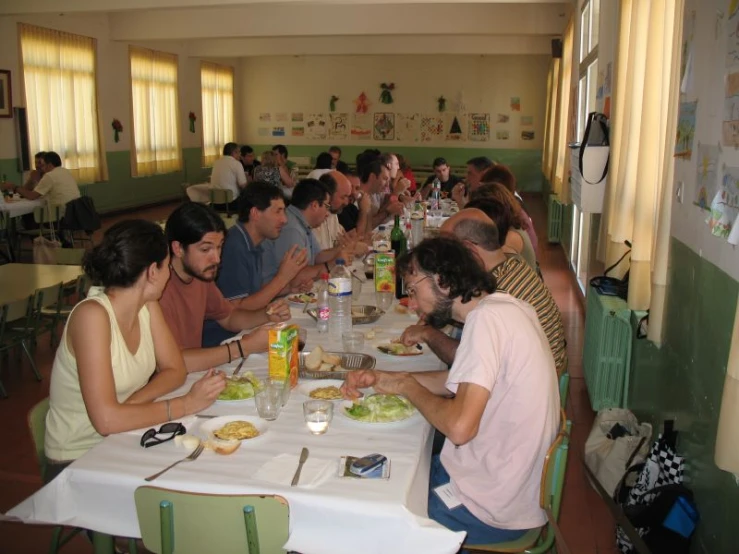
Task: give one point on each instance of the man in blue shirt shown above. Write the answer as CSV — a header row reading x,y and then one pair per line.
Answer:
x,y
309,208
261,216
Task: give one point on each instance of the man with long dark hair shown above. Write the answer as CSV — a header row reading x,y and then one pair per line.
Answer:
x,y
498,406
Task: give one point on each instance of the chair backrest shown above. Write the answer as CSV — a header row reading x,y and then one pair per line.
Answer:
x,y
553,478
221,196
37,426
69,256
47,296
20,309
210,523
48,214
564,387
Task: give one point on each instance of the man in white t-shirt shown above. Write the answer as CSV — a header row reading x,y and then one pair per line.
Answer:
x,y
228,173
498,405
57,185
330,232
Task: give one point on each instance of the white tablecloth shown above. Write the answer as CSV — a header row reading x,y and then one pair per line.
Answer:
x,y
17,208
336,516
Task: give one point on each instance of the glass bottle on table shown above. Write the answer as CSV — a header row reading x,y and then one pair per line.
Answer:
x,y
399,246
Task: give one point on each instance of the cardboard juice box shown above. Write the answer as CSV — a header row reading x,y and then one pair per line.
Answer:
x,y
283,353
385,272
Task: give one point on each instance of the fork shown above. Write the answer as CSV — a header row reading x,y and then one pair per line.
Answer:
x,y
192,457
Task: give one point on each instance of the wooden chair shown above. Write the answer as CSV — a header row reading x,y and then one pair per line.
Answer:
x,y
16,329
192,523
539,541
222,197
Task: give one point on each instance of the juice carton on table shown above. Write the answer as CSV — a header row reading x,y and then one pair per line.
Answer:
x,y
283,353
385,272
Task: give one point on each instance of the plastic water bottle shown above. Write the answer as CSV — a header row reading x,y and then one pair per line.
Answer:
x,y
339,300
381,242
323,312
409,244
435,202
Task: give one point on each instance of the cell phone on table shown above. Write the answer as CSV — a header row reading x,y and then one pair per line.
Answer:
x,y
368,464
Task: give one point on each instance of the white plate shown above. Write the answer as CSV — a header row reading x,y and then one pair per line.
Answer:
x,y
294,299
218,422
348,404
306,388
235,402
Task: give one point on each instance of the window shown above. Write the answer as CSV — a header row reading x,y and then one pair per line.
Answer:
x,y
156,115
217,89
61,97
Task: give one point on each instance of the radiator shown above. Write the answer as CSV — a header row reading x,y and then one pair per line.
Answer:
x,y
607,351
555,216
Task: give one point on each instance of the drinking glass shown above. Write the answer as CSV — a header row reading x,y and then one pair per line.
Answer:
x,y
356,288
353,341
383,300
318,415
283,387
269,401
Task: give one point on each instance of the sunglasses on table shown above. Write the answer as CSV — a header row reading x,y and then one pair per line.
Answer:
x,y
166,432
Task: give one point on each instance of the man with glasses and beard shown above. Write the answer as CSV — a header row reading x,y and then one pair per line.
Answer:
x,y
195,234
498,406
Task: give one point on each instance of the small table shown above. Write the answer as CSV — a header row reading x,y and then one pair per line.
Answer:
x,y
21,280
16,209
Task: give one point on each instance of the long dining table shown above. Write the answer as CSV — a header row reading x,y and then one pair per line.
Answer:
x,y
329,514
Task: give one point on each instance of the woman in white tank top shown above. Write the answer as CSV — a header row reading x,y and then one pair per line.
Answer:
x,y
101,380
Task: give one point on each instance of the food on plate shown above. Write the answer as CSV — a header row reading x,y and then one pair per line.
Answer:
x,y
303,298
190,442
222,447
240,388
380,408
398,349
236,430
320,360
326,393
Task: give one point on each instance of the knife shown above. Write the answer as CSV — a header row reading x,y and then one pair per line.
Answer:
x,y
238,367
303,458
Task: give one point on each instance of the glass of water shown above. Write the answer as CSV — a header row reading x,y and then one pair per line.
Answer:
x,y
318,415
269,401
283,386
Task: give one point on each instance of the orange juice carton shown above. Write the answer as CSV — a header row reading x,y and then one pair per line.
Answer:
x,y
283,353
385,272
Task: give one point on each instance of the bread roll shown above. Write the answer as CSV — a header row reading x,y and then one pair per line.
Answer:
x,y
313,360
332,359
222,447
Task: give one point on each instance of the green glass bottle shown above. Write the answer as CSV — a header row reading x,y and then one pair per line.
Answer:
x,y
399,245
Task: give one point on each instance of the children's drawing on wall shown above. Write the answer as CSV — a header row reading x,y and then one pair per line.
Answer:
x,y
527,120
384,126
432,128
278,131
263,131
407,127
361,103
732,34
685,130
527,135
297,117
503,118
316,126
502,135
281,116
515,103
725,203
361,126
454,128
265,117
479,127
730,126
706,182
297,131
338,126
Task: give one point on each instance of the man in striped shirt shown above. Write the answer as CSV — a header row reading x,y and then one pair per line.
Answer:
x,y
513,275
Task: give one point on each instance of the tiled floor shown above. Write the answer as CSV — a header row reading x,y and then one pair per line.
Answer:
x,y
585,521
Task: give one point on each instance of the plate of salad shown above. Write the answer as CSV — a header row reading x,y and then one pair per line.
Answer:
x,y
239,389
379,408
302,299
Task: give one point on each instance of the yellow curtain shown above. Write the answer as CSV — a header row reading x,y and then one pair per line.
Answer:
x,y
217,89
156,114
551,118
61,97
561,156
645,106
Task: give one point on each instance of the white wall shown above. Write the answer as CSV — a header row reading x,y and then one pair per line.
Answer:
x,y
487,83
688,221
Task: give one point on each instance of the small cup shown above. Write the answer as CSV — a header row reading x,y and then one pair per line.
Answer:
x,y
269,401
318,415
384,300
353,341
283,387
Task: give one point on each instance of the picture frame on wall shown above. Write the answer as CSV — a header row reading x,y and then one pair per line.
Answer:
x,y
6,97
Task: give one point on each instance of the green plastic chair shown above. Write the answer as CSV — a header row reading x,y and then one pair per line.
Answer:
x,y
72,293
193,523
564,389
46,305
222,196
16,329
539,541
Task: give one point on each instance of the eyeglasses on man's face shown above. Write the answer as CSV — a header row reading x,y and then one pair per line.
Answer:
x,y
410,288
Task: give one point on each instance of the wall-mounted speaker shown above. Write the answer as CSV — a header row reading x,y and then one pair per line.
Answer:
x,y
21,139
556,48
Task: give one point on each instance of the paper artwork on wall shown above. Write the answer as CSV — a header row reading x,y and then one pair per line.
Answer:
x,y
263,131
297,117
706,183
432,128
278,131
361,126
297,131
730,125
316,126
503,118
478,127
515,103
685,130
527,120
732,34
383,127
453,125
265,117
725,203
528,135
338,127
361,103
281,116
407,127
502,135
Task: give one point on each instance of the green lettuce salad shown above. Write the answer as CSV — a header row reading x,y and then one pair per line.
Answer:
x,y
381,408
240,388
